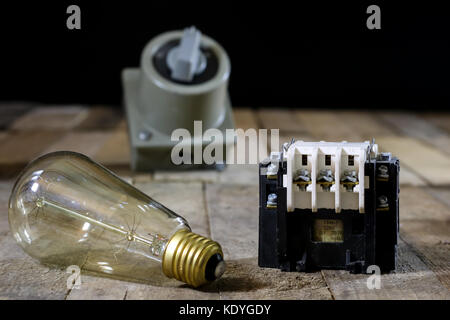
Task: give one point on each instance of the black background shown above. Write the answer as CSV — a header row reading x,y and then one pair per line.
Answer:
x,y
284,54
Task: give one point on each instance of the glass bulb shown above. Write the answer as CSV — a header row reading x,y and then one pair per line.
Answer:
x,y
65,209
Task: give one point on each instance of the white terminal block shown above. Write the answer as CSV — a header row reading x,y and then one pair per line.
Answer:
x,y
327,175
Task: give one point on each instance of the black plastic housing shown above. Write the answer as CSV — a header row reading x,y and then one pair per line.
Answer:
x,y
370,238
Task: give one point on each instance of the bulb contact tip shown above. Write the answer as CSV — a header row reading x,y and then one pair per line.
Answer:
x,y
193,259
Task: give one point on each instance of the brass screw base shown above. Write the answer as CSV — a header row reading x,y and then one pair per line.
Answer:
x,y
186,256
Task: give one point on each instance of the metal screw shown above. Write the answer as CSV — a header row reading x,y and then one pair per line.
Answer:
x,y
302,175
272,169
325,175
349,176
383,172
384,156
144,135
272,199
382,202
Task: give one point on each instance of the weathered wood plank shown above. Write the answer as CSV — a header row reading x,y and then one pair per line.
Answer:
x,y
51,118
11,111
335,125
232,204
22,277
174,292
245,118
412,280
87,143
441,194
101,118
410,178
365,124
326,126
5,191
282,119
142,177
244,279
427,162
115,152
99,288
3,135
233,212
425,225
240,174
208,176
20,147
439,119
415,127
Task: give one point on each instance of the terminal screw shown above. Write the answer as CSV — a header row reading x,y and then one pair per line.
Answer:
x,y
272,200
325,175
383,172
349,179
272,169
384,156
382,202
325,178
302,175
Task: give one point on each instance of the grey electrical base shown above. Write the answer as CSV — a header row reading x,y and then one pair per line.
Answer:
x,y
151,149
156,104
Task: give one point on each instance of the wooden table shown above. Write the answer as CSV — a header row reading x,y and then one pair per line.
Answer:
x,y
224,205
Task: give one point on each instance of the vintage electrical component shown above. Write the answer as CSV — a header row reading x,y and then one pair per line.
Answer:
x,y
67,210
183,77
329,205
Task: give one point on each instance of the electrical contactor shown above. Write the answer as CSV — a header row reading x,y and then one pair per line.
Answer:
x,y
329,205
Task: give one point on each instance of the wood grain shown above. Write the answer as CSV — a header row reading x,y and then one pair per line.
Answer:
x,y
10,112
20,147
427,162
282,119
224,205
439,119
411,281
101,118
414,126
425,225
115,152
88,143
245,118
51,118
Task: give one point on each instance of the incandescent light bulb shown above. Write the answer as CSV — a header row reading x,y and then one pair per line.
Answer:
x,y
65,209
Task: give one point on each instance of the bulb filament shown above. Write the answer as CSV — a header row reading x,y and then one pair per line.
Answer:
x,y
129,235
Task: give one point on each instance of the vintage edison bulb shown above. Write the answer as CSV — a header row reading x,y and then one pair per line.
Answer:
x,y
65,209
